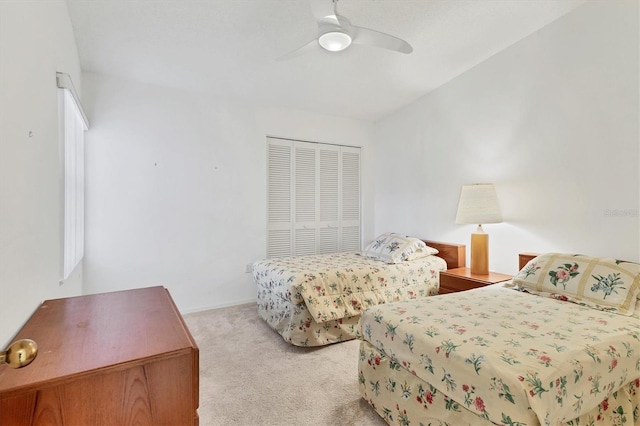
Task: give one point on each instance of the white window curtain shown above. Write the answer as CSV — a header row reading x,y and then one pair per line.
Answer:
x,y
313,194
73,124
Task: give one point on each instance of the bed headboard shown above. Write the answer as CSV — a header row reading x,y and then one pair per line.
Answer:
x,y
524,258
454,254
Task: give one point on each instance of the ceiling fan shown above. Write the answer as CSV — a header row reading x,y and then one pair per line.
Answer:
x,y
336,33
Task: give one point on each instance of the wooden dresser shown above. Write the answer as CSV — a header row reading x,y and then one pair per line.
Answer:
x,y
120,358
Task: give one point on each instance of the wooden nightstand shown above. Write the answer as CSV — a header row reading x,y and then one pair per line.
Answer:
x,y
461,279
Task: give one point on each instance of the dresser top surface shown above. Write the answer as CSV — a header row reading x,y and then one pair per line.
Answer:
x,y
81,334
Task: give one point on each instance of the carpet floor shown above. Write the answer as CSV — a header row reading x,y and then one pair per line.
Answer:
x,y
249,376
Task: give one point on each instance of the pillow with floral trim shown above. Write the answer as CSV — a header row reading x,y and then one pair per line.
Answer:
x,y
601,283
396,248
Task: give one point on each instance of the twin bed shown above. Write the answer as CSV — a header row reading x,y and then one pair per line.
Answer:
x,y
317,300
559,346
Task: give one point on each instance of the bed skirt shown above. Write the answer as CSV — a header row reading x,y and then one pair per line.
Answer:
x,y
402,398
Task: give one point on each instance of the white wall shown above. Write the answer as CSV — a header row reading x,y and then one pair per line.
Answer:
x,y
552,121
176,188
36,40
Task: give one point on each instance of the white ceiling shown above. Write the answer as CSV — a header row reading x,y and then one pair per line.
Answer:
x,y
228,47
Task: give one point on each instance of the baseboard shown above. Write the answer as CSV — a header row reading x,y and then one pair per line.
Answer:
x,y
218,306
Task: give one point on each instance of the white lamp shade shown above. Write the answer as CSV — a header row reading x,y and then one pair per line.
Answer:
x,y
478,204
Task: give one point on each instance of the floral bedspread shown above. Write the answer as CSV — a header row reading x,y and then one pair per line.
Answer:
x,y
401,398
341,285
295,325
511,357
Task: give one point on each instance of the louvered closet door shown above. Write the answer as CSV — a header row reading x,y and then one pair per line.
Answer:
x,y
329,201
350,199
279,203
313,198
305,198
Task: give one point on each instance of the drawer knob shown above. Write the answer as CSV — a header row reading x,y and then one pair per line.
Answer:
x,y
20,353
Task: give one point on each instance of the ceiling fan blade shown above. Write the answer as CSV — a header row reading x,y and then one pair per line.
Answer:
x,y
312,45
324,11
376,38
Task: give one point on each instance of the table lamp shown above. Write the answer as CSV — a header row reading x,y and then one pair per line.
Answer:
x,y
479,204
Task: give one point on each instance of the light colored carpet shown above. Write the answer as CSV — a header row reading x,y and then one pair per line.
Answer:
x,y
249,376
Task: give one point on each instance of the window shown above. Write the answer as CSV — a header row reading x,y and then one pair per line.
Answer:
x,y
73,124
313,198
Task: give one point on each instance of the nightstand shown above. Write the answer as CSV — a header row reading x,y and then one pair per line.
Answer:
x,y
461,279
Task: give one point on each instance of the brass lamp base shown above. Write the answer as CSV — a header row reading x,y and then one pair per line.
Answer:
x,y
480,252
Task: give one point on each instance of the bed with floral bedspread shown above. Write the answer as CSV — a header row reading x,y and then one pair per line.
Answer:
x,y
543,355
317,300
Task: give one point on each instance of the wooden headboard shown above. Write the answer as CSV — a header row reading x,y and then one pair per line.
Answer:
x,y
454,254
524,258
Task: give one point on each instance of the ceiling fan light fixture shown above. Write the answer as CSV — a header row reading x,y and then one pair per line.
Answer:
x,y
334,41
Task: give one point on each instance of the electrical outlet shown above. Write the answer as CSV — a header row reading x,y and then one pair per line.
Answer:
x,y
248,268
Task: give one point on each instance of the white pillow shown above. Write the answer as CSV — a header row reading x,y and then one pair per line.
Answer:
x,y
395,248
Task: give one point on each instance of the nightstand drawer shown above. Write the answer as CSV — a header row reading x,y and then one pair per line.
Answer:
x,y
461,279
450,284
